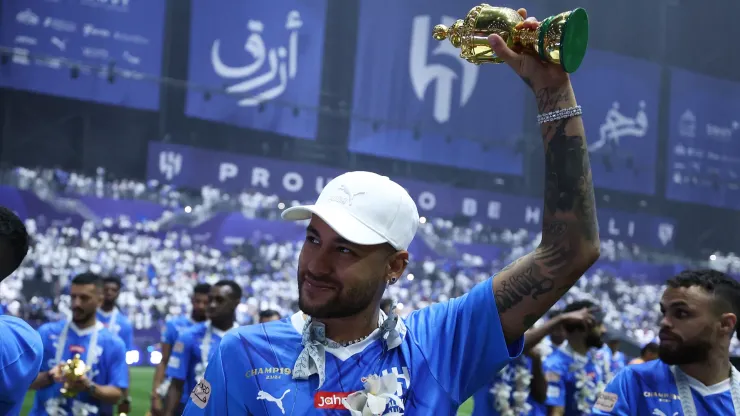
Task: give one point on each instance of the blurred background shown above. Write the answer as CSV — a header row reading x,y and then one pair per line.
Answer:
x,y
159,140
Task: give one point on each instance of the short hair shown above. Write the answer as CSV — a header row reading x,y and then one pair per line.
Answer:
x,y
576,306
87,279
202,289
112,279
235,288
651,347
15,234
721,286
267,313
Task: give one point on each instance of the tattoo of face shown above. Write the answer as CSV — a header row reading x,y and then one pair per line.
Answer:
x,y
517,287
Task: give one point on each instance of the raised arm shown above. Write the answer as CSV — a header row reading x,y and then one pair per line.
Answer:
x,y
526,289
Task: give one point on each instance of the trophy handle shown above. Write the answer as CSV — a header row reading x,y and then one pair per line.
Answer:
x,y
440,32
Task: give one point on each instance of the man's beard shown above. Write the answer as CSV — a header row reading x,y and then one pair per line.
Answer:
x,y
82,317
685,352
594,341
347,301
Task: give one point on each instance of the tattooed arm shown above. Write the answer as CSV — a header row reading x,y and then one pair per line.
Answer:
x,y
526,289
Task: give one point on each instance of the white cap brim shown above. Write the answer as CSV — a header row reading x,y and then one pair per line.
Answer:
x,y
340,220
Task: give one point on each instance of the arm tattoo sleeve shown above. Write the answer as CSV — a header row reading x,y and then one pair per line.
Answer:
x,y
526,289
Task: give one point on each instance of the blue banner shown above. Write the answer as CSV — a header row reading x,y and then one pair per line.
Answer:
x,y
263,59
193,167
619,96
415,99
122,37
703,154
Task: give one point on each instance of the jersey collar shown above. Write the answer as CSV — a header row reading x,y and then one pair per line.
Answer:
x,y
343,353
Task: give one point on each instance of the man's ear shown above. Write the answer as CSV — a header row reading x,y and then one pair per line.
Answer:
x,y
396,265
727,323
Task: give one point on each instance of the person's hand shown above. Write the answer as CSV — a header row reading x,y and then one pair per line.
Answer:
x,y
536,73
81,384
156,407
56,373
124,406
583,316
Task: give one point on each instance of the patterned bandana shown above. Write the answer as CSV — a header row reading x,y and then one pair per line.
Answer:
x,y
312,360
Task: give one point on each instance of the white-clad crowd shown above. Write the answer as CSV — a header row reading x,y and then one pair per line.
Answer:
x,y
158,270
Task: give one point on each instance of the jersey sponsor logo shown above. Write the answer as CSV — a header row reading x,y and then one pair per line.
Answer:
x,y
263,395
76,349
606,401
329,400
270,372
201,393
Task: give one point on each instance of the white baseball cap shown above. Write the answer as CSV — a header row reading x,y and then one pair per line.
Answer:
x,y
364,208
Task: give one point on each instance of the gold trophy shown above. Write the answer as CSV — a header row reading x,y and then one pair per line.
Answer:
x,y
560,39
72,370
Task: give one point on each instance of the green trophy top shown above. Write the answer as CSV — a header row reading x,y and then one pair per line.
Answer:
x,y
574,42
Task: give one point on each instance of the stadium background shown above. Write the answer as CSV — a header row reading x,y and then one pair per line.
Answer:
x,y
124,92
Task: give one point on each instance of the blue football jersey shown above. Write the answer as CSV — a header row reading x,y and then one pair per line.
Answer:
x,y
186,361
121,327
650,389
573,380
174,327
21,353
108,369
484,400
448,351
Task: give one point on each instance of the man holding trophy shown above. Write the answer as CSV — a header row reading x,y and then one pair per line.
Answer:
x,y
84,371
341,352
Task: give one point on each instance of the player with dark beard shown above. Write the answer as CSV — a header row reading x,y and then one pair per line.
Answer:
x,y
21,348
694,375
572,369
102,352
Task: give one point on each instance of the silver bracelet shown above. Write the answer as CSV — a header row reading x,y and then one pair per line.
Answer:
x,y
559,114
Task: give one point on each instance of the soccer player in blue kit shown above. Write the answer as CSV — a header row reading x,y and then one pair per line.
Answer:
x,y
118,323
574,376
104,352
341,355
111,316
693,375
195,346
21,349
494,398
173,328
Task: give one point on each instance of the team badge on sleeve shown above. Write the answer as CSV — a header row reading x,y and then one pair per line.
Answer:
x,y
178,347
606,401
201,393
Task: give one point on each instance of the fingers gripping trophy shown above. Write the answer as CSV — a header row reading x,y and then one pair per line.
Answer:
x,y
560,39
73,373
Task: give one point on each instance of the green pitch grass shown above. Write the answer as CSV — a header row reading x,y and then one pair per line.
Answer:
x,y
141,386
